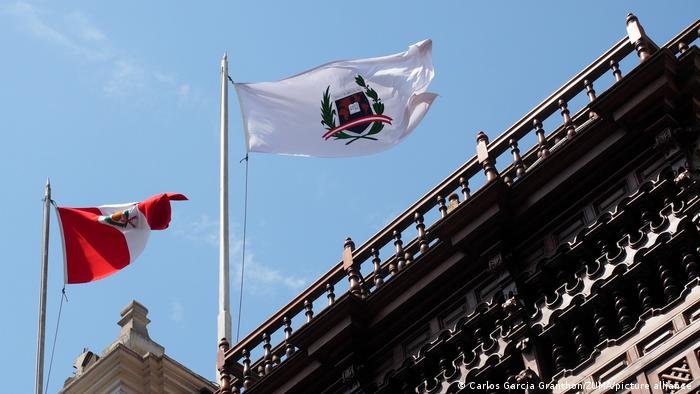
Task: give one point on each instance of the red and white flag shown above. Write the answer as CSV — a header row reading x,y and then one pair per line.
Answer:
x,y
100,241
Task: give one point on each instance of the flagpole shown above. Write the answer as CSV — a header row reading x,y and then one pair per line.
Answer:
x,y
224,320
39,382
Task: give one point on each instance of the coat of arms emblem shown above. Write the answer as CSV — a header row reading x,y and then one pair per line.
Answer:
x,y
122,219
357,118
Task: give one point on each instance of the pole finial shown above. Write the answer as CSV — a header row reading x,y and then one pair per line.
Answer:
x,y
47,189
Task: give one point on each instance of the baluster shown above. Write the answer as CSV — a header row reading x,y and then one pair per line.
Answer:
x,y
267,357
508,180
589,90
614,248
542,152
431,365
224,377
568,124
690,264
464,183
517,160
442,365
377,262
261,371
423,377
563,275
510,373
630,231
288,348
580,343
591,96
452,202
615,67
400,258
355,287
446,368
683,47
408,256
604,248
587,264
488,341
461,353
638,38
542,291
667,282
644,295
247,381
558,356
484,156
309,307
501,325
420,227
645,217
623,312
392,267
364,292
330,290
670,201
479,336
442,206
600,325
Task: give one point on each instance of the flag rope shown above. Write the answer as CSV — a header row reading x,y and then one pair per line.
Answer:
x,y
245,225
55,334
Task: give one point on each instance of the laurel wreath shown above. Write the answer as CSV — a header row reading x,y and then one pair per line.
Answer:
x,y
328,113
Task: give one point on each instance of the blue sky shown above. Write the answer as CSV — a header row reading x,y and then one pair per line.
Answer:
x,y
118,101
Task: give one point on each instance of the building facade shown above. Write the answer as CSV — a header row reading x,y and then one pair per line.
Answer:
x,y
134,364
563,260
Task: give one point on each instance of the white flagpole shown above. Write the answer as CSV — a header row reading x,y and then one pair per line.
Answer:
x,y
39,382
224,326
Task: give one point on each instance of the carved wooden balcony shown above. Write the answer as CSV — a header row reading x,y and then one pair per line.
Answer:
x,y
556,301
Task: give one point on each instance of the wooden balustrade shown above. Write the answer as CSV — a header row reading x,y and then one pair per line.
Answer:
x,y
581,83
684,39
411,225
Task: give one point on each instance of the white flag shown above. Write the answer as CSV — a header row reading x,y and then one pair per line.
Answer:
x,y
345,108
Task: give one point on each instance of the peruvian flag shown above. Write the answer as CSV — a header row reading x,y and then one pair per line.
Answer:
x,y
100,241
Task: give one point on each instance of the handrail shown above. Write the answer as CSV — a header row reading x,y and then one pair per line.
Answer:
x,y
566,92
687,36
419,206
293,307
468,169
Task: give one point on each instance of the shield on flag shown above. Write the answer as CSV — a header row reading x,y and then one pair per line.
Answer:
x,y
124,219
352,107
